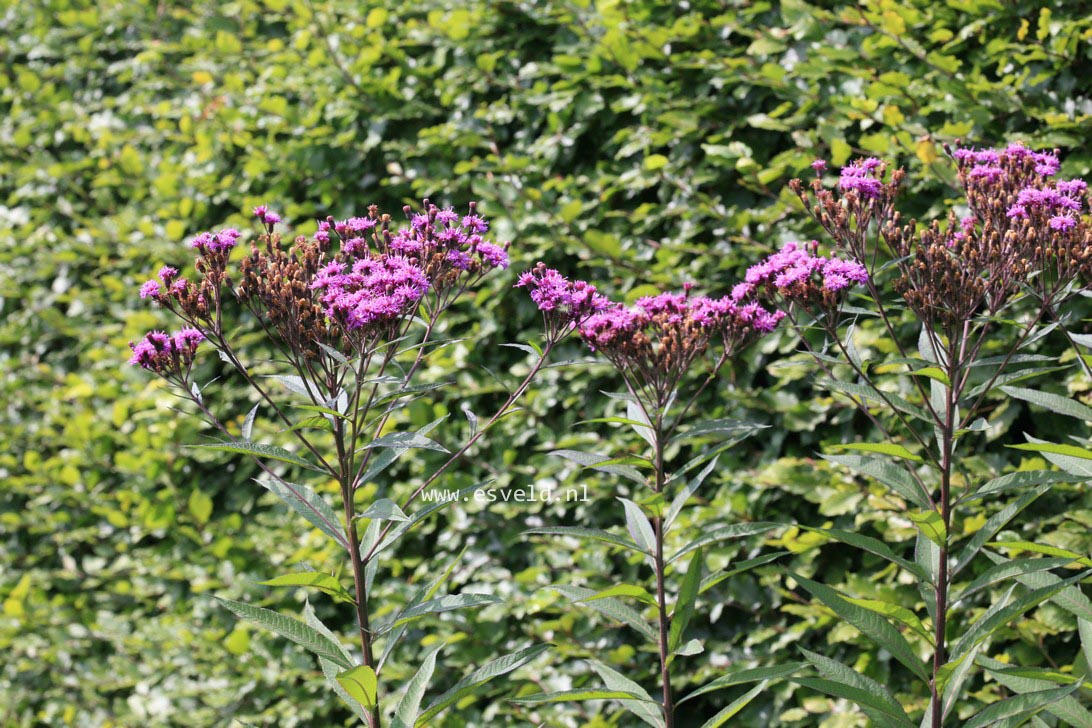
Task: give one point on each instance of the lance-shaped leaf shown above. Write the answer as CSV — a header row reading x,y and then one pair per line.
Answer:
x,y
423,594
596,462
573,696
865,393
615,609
409,705
931,525
406,440
644,707
952,676
741,677
893,476
1067,709
1042,548
592,534
290,628
448,603
733,429
1070,458
994,524
262,451
684,495
1008,569
741,566
994,620
872,545
248,423
361,685
313,579
724,533
417,516
384,509
843,682
1084,628
1070,598
734,707
308,504
880,448
869,623
1018,708
481,676
896,612
640,530
684,607
1023,479
1052,402
329,669
631,591
382,459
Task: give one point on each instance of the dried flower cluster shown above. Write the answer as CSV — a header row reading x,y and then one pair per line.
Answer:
x,y
1024,228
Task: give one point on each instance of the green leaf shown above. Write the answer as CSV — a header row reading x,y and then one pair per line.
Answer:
x,y
995,619
448,603
592,534
844,682
1053,402
1040,548
931,525
622,590
258,450
470,683
740,677
1067,709
868,622
361,685
644,707
854,695
314,579
640,530
994,524
894,611
1018,707
200,506
864,392
308,504
1007,570
713,579
572,696
381,461
615,609
872,545
636,413
290,628
684,495
1070,598
933,373
1023,479
735,706
593,461
384,509
886,473
883,448
1084,628
733,429
407,440
684,606
724,533
409,705
248,423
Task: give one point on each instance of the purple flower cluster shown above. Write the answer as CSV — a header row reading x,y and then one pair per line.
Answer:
x,y
169,276
619,325
565,304
165,354
441,240
992,165
1061,202
266,216
796,273
374,292
217,242
864,176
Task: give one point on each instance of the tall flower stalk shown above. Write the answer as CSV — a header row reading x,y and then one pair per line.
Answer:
x,y
353,313
668,349
1022,251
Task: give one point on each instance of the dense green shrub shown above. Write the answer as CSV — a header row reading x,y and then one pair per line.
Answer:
x,y
650,142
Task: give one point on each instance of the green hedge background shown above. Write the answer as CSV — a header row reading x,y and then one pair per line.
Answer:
x,y
634,143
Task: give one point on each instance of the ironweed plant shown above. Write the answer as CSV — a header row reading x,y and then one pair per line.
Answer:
x,y
353,313
960,300
668,349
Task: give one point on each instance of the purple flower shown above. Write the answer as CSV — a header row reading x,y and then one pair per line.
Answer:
x,y
475,223
357,224
167,274
492,255
1071,186
150,289
447,216
564,303
987,172
819,165
263,213
1062,222
376,291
